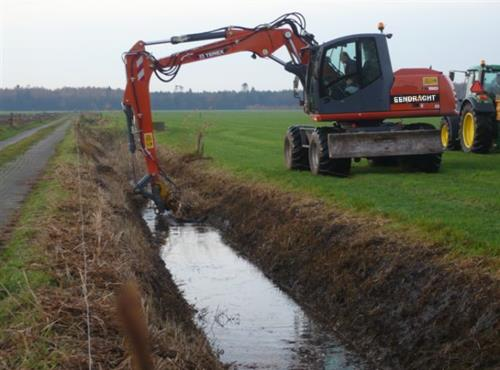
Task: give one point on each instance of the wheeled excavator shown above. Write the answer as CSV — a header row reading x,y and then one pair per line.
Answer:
x,y
347,82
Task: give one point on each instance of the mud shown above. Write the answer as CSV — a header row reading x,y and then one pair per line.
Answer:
x,y
404,304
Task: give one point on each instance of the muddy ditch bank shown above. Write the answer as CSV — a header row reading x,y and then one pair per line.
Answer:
x,y
120,253
403,304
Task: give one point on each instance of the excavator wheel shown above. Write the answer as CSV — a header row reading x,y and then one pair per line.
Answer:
x,y
449,133
476,131
423,162
319,160
296,156
384,161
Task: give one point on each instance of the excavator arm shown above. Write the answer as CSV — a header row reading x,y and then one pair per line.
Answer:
x,y
262,41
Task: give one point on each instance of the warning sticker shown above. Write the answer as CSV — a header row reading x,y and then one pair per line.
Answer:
x,y
430,81
148,140
419,98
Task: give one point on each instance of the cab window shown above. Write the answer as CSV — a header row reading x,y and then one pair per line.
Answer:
x,y
471,78
492,82
349,67
339,71
370,64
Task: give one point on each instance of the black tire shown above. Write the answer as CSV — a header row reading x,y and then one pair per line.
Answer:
x,y
423,162
476,131
296,156
450,127
319,160
384,161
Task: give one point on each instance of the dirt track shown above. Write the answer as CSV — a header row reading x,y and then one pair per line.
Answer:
x,y
16,177
23,135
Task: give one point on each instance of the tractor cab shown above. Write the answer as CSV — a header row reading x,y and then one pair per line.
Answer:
x,y
478,81
491,81
350,74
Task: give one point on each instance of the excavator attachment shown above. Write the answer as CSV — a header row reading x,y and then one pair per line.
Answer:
x,y
384,144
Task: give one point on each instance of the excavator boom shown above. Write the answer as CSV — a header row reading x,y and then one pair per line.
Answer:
x,y
262,41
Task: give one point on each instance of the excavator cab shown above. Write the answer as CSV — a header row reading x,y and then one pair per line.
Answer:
x,y
350,83
350,74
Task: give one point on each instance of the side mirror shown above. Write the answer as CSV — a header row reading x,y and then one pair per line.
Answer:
x,y
452,75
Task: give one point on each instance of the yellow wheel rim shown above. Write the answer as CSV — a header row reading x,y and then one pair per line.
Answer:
x,y
444,135
468,130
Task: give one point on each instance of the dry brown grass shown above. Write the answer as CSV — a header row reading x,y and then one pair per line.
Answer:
x,y
119,251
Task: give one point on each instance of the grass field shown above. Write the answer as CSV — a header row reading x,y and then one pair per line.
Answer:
x,y
460,206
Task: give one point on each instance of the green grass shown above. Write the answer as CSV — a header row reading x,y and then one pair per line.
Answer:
x,y
21,265
6,131
459,207
11,152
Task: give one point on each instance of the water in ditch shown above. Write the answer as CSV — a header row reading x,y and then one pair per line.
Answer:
x,y
248,319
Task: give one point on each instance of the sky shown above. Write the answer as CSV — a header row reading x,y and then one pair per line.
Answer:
x,y
57,43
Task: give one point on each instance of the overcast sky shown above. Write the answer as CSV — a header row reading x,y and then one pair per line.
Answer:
x,y
56,43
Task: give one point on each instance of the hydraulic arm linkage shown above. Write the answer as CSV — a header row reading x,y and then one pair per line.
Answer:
x,y
262,41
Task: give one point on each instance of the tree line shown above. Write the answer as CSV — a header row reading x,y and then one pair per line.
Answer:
x,y
97,98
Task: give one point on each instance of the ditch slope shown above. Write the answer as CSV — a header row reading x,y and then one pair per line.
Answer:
x,y
403,303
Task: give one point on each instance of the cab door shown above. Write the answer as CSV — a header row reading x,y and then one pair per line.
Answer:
x,y
354,75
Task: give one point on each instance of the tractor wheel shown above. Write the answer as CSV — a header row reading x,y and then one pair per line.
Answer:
x,y
296,156
319,160
422,162
449,133
476,131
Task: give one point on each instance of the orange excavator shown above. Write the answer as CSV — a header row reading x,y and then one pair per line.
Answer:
x,y
348,82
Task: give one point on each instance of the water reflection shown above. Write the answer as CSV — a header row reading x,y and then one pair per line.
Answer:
x,y
246,317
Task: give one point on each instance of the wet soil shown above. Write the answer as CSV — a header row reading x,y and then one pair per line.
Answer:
x,y
404,303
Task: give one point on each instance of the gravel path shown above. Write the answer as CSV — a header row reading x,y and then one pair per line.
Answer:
x,y
23,135
17,177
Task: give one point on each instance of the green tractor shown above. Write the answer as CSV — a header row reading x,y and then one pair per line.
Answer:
x,y
477,127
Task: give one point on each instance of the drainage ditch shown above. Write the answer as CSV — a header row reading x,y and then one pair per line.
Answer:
x,y
249,321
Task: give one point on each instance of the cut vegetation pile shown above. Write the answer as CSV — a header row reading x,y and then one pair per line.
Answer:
x,y
404,304
42,308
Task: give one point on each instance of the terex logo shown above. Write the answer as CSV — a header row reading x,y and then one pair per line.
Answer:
x,y
211,54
